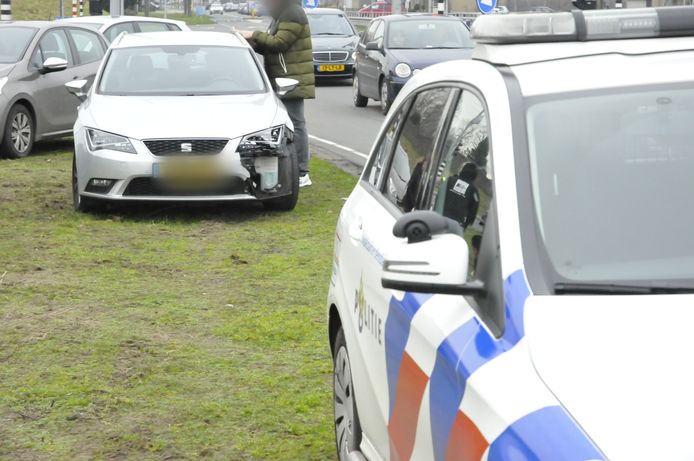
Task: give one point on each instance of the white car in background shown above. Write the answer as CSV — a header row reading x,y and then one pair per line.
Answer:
x,y
111,27
216,8
183,117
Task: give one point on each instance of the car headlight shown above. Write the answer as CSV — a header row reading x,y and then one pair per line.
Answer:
x,y
402,70
3,80
99,140
270,138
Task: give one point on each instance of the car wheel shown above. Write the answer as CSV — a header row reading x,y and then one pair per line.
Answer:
x,y
18,139
359,100
79,202
287,202
386,98
347,427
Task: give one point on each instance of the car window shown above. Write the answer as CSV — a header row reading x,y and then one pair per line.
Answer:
x,y
53,44
88,45
368,36
153,27
414,147
463,178
378,161
112,32
378,35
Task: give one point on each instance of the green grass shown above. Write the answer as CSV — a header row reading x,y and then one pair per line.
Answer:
x,y
41,9
162,333
190,20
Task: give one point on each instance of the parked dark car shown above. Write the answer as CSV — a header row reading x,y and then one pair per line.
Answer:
x,y
334,42
394,48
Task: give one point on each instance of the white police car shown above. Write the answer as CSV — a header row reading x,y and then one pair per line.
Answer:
x,y
513,274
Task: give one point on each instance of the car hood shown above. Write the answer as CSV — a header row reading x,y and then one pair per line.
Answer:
x,y
142,117
333,42
622,366
419,59
5,69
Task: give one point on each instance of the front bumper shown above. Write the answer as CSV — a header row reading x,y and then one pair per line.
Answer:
x,y
134,175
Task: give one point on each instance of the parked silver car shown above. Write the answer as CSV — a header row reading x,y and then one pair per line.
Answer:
x,y
112,27
37,59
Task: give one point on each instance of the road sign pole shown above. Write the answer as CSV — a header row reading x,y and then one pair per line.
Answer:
x,y
442,7
5,10
81,7
74,8
116,8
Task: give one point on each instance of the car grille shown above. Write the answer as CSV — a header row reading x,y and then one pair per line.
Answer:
x,y
166,147
150,187
330,56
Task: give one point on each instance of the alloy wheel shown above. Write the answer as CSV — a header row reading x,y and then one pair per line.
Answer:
x,y
20,132
343,403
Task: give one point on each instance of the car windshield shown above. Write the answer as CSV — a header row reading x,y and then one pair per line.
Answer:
x,y
329,24
181,70
612,184
425,33
14,42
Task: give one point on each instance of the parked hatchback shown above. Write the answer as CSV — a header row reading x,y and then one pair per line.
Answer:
x,y
398,46
111,27
36,60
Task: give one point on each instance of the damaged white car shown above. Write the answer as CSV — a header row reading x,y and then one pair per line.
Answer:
x,y
183,117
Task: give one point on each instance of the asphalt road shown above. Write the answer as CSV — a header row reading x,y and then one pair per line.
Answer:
x,y
338,130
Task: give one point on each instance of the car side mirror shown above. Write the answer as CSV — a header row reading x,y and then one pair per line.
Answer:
x,y
285,85
53,65
79,88
433,259
374,46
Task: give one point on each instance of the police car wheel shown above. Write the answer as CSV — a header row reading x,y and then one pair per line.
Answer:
x,y
79,202
347,427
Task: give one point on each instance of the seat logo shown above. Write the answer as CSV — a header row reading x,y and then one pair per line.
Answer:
x,y
186,147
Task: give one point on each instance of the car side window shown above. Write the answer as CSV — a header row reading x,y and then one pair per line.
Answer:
x,y
112,32
415,145
53,44
378,35
153,26
368,36
88,45
378,161
463,179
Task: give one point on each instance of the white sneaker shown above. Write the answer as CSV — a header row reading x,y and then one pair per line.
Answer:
x,y
305,181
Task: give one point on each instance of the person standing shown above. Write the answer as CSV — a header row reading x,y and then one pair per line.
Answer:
x,y
288,53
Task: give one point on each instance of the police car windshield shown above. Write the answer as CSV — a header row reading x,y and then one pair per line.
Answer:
x,y
181,70
612,183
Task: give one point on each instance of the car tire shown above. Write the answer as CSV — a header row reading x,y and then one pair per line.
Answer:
x,y
18,138
359,100
287,202
386,98
345,416
79,202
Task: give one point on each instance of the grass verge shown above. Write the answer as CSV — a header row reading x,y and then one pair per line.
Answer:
x,y
190,20
163,333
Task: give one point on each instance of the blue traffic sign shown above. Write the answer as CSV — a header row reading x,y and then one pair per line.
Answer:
x,y
486,6
310,3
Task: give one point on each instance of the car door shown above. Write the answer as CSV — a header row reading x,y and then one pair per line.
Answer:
x,y
89,49
392,185
55,107
370,66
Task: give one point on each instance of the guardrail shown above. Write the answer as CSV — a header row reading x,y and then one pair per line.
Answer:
x,y
363,19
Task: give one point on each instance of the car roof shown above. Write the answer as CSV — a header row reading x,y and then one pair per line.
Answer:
x,y
180,38
112,20
324,11
417,16
39,24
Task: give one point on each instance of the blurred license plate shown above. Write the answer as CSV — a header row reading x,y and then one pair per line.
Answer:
x,y
331,68
187,171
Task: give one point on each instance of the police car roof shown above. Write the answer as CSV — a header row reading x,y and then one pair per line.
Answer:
x,y
417,16
114,19
310,11
179,38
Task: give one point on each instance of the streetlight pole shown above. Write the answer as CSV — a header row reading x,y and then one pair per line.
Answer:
x,y
116,8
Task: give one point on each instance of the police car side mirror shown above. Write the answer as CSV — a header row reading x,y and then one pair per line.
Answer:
x,y
79,88
285,85
433,259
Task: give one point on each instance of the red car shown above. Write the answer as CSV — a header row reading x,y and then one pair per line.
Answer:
x,y
377,9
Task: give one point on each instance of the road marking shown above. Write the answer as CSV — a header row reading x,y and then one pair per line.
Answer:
x,y
339,146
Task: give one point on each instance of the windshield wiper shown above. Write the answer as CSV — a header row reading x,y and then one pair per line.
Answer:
x,y
329,33
566,288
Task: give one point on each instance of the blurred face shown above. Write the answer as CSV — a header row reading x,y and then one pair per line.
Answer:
x,y
273,6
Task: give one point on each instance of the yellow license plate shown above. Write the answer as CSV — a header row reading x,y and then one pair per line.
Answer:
x,y
331,68
191,171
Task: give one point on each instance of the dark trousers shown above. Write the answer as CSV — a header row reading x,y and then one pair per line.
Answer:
x,y
295,109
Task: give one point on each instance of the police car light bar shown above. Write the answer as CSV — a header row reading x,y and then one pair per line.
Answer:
x,y
584,25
